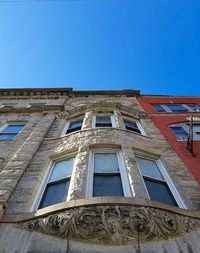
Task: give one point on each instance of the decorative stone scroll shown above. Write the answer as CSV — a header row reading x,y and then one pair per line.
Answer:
x,y
130,110
113,225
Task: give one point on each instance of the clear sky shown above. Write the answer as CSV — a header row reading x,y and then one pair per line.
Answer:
x,y
150,45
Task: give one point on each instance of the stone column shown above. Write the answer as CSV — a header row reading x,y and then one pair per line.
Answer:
x,y
87,122
136,182
79,177
118,119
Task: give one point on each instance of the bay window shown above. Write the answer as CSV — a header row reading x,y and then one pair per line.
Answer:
x,y
158,183
108,176
58,183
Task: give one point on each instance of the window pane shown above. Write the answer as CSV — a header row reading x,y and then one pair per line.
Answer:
x,y
107,185
103,121
55,193
37,104
195,108
76,124
177,107
105,162
149,168
7,136
180,133
62,169
158,108
159,191
130,125
196,129
13,128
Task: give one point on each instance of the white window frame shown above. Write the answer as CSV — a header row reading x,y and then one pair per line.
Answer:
x,y
166,178
64,132
126,186
46,178
7,125
8,105
103,114
196,137
36,105
142,132
167,109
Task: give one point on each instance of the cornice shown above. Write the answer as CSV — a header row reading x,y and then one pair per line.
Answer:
x,y
48,92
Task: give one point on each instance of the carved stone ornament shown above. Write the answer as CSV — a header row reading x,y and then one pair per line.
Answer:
x,y
131,111
113,225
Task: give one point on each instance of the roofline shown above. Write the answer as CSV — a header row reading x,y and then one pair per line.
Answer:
x,y
65,91
170,96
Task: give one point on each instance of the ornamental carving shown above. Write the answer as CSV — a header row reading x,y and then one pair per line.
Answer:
x,y
113,225
129,110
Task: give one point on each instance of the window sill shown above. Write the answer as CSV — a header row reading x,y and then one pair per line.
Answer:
x,y
98,128
96,201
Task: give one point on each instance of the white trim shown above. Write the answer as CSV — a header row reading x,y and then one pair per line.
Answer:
x,y
122,171
185,127
65,128
8,105
67,124
93,121
166,178
170,184
112,119
124,176
137,122
188,108
4,127
167,109
42,186
89,186
71,177
7,124
46,178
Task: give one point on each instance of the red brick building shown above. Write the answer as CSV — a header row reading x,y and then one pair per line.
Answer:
x,y
172,117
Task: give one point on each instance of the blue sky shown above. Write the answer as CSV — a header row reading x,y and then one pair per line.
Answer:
x,y
151,45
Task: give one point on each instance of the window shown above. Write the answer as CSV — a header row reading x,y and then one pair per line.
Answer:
x,y
73,126
133,126
157,182
159,108
57,188
181,131
36,105
8,105
103,121
108,175
176,108
9,131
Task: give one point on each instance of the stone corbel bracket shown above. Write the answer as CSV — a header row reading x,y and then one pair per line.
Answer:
x,y
103,221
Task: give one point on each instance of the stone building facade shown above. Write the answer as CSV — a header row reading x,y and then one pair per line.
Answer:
x,y
88,171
